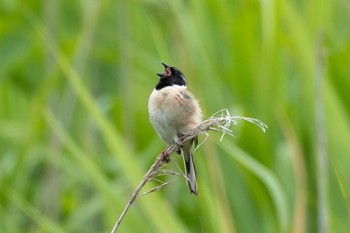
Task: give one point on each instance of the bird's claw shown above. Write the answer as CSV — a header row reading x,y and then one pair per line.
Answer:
x,y
179,140
165,156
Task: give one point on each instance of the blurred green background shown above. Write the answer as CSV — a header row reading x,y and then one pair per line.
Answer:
x,y
75,139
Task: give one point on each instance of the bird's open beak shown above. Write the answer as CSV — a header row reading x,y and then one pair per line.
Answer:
x,y
165,65
161,74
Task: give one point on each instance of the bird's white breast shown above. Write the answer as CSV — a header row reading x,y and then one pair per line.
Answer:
x,y
173,110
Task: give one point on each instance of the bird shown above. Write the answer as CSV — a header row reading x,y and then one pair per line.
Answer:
x,y
174,112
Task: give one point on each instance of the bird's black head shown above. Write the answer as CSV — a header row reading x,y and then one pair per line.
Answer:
x,y
171,76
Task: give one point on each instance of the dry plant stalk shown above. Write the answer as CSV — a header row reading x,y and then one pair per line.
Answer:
x,y
220,122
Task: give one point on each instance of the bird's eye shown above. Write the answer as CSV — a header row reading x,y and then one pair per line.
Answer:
x,y
167,71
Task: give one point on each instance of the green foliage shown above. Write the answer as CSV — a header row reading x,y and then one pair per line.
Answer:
x,y
75,138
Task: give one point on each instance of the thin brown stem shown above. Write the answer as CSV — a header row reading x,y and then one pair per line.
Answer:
x,y
218,122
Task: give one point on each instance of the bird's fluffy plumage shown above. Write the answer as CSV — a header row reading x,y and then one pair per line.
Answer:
x,y
173,111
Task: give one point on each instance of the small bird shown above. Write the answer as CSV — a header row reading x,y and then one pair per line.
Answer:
x,y
173,112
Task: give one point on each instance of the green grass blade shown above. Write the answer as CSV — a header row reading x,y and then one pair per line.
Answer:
x,y
267,177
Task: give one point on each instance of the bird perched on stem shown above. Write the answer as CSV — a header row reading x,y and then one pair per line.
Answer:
x,y
173,112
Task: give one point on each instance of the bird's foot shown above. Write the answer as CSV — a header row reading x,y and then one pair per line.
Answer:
x,y
165,156
179,140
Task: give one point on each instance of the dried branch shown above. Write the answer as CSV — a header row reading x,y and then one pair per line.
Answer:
x,y
220,121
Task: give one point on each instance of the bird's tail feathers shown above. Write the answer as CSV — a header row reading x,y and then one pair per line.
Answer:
x,y
190,169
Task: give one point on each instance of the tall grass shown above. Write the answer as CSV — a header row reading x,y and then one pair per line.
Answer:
x,y
75,138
